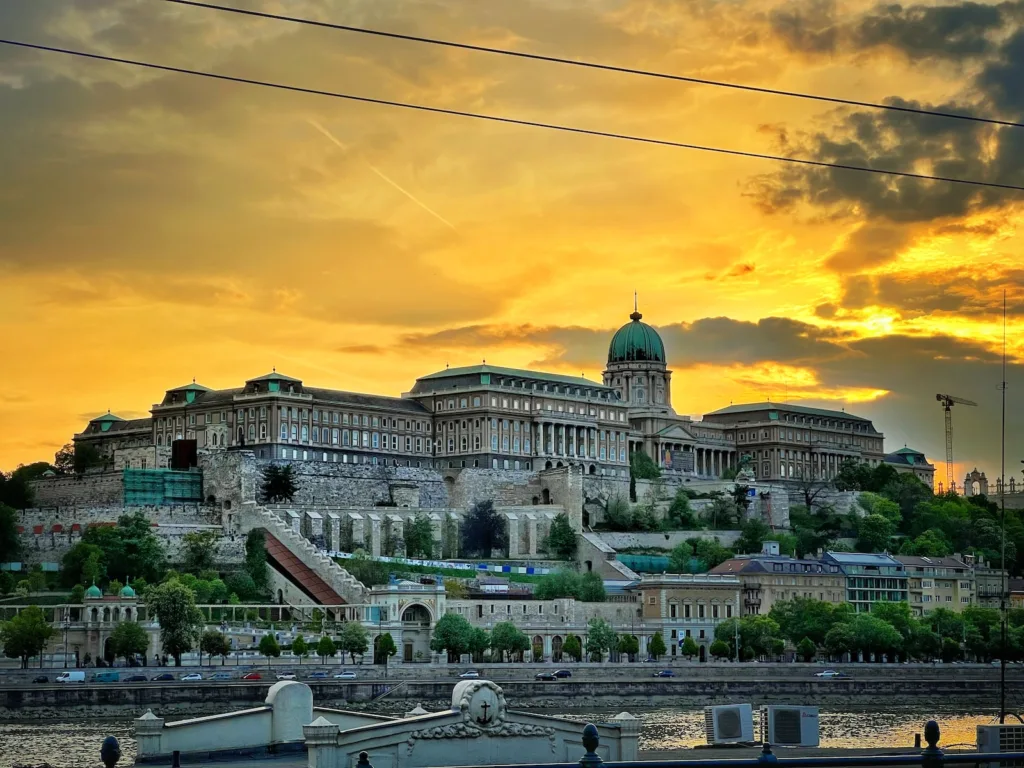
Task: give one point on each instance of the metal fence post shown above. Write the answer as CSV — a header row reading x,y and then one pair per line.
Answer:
x,y
364,761
931,756
767,756
591,741
176,759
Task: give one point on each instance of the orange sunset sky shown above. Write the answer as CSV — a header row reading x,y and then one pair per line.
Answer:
x,y
157,227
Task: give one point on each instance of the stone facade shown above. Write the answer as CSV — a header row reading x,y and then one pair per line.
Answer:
x,y
89,489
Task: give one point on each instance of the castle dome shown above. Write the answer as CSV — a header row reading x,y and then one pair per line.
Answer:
x,y
636,342
127,591
93,593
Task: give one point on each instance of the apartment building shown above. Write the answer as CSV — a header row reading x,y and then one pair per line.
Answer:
x,y
766,579
689,605
938,582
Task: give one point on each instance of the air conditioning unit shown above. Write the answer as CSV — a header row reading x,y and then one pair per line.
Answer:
x,y
731,724
789,726
1001,738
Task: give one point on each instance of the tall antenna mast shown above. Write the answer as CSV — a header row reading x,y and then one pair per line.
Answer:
x,y
1002,508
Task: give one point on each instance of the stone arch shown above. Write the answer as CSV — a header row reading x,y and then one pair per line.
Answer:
x,y
703,653
449,487
106,614
546,495
589,564
556,648
547,465
537,642
95,614
416,613
592,469
108,651
535,501
127,614
559,465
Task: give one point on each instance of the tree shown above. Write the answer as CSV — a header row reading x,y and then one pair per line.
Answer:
x,y
277,483
174,606
299,647
874,533
681,559
931,543
689,648
214,643
629,645
840,640
642,466
452,634
874,504
26,635
37,581
483,531
384,648
723,512
419,537
76,458
479,642
804,617
753,534
874,635
128,640
509,641
10,541
77,594
241,584
218,591
94,569
721,650
950,650
806,649
656,648
601,638
130,549
562,538
680,516
15,490
269,648
256,560
200,547
710,552
73,564
326,648
617,514
354,640
573,648
64,460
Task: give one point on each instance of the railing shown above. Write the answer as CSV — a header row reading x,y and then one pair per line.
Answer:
x,y
929,757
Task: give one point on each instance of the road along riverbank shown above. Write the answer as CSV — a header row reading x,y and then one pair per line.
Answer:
x,y
938,688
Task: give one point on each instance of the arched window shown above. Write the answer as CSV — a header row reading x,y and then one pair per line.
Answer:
x,y
252,431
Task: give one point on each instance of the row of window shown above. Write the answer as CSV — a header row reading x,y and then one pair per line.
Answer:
x,y
716,612
515,404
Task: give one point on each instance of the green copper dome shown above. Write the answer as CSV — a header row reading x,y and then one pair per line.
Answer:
x,y
127,591
93,593
636,342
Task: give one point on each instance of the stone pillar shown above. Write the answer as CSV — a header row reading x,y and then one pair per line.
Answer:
x,y
586,442
321,737
397,534
437,525
294,521
147,734
513,534
531,527
629,727
358,530
315,526
374,534
334,528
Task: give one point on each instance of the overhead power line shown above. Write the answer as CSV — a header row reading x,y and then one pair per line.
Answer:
x,y
599,66
507,120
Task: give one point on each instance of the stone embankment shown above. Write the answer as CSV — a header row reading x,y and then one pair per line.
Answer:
x,y
938,688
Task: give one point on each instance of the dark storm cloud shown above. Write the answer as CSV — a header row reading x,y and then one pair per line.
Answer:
x,y
979,296
808,27
989,35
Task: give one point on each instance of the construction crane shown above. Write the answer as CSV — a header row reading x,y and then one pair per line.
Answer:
x,y
948,401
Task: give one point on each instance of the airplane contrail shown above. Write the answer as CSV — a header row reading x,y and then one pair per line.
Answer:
x,y
405,192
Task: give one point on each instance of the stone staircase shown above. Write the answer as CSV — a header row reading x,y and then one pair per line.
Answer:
x,y
337,578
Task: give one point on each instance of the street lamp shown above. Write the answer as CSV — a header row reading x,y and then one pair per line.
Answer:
x,y
67,626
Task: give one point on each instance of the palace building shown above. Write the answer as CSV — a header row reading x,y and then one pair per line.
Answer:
x,y
489,417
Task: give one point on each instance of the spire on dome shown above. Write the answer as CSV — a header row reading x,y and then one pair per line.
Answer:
x,y
636,316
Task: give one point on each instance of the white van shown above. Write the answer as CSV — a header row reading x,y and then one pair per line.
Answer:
x,y
70,677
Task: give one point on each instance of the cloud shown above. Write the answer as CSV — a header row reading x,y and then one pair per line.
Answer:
x,y
934,293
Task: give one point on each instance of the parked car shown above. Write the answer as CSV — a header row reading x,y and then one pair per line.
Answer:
x,y
40,679
162,677
830,673
665,673
285,675
563,673
71,677
345,676
318,675
222,676
191,677
106,677
135,679
545,676
252,676
470,675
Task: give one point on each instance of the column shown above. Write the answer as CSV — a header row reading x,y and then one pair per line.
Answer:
x,y
561,439
358,530
570,441
513,534
538,439
531,527
374,534
586,442
334,524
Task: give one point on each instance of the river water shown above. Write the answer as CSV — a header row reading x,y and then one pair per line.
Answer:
x,y
76,744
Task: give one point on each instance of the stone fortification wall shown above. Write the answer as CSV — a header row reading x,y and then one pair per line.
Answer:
x,y
844,502
69,517
89,489
230,478
663,540
359,485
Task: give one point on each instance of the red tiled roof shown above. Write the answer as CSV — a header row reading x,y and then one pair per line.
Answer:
x,y
279,554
